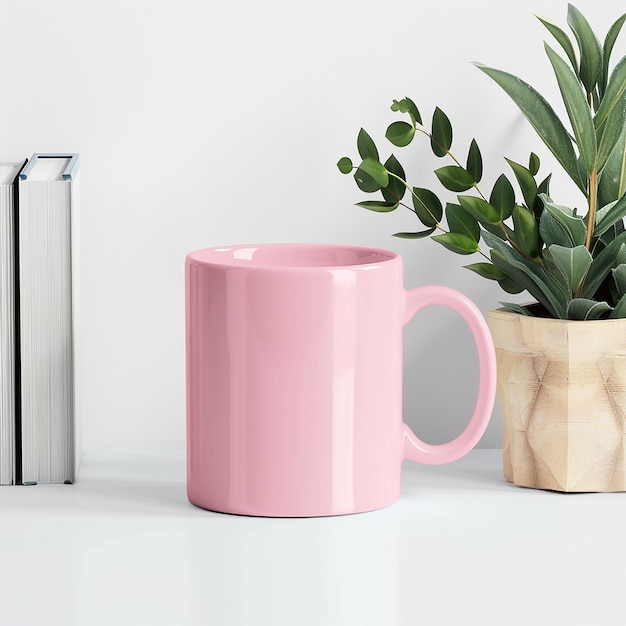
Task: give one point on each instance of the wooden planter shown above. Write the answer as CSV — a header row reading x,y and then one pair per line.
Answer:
x,y
562,391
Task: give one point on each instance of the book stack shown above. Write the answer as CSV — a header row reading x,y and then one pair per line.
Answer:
x,y
39,425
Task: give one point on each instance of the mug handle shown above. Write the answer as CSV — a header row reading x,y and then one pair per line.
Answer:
x,y
436,454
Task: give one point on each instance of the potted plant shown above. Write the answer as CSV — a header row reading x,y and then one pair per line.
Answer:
x,y
562,359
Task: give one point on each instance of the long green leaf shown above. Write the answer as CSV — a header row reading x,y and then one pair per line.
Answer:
x,y
573,262
589,46
552,231
614,92
516,308
378,206
609,42
610,132
562,37
608,215
542,118
573,224
484,212
418,235
577,109
619,277
529,274
584,309
613,180
619,312
603,264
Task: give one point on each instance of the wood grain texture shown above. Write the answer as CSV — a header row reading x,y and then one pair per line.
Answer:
x,y
562,391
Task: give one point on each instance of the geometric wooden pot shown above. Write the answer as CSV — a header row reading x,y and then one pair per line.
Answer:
x,y
562,392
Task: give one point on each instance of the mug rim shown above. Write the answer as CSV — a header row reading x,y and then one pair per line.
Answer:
x,y
209,256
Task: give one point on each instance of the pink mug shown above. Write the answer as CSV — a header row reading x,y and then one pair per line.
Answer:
x,y
294,378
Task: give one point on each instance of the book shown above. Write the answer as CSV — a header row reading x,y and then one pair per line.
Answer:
x,y
8,181
47,320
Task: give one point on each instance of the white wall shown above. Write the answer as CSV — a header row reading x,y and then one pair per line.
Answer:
x,y
206,123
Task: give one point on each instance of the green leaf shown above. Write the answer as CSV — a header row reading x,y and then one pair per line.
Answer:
x,y
406,105
366,146
609,42
561,36
525,277
395,190
378,206
577,109
510,285
487,270
613,180
441,137
610,132
529,275
552,231
526,233
542,118
461,222
544,187
608,215
345,165
526,182
400,134
418,235
475,162
573,224
503,197
461,244
376,170
573,262
427,207
365,182
455,178
619,277
614,93
619,312
589,46
603,263
584,309
533,164
516,308
481,210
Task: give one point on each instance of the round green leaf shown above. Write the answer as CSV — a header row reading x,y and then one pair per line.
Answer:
x,y
406,105
533,164
526,231
345,165
455,178
441,138
376,170
481,210
400,134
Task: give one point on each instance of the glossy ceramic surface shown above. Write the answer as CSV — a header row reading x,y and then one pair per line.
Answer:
x,y
294,378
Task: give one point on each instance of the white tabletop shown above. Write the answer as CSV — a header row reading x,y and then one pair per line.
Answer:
x,y
462,547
